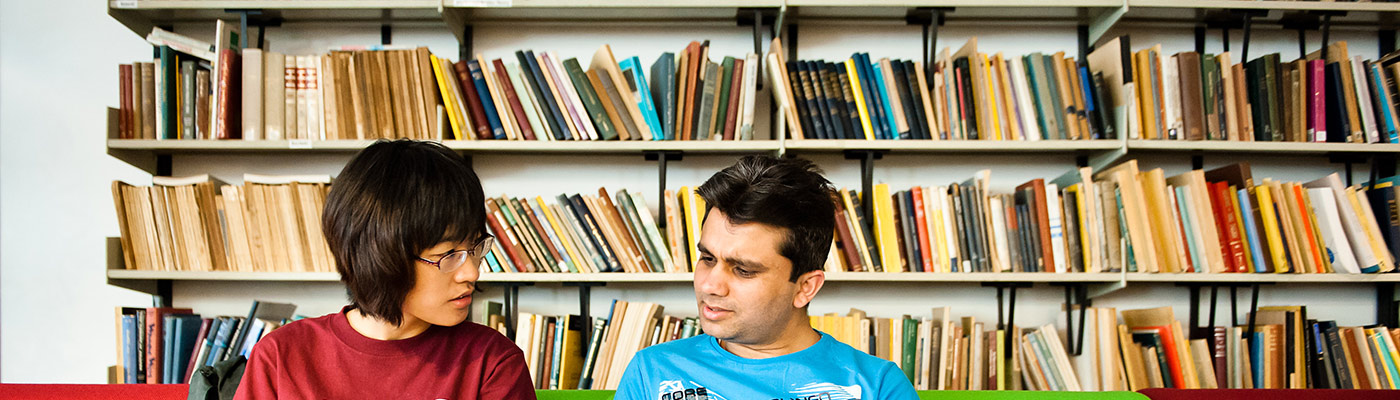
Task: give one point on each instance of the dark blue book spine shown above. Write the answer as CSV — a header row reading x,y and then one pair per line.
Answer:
x,y
131,355
848,97
663,92
901,84
1338,126
911,229
799,96
836,102
594,233
1091,110
479,79
171,324
877,104
820,96
168,70
541,90
919,119
222,340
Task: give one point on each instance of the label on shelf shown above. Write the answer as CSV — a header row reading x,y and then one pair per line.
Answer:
x,y
125,4
299,144
481,3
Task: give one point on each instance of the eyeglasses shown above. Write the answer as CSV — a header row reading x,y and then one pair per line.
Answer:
x,y
457,258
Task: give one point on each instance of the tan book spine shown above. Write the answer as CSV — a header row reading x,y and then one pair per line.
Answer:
x,y
274,96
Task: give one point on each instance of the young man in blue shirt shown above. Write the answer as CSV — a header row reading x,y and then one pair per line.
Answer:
x,y
766,235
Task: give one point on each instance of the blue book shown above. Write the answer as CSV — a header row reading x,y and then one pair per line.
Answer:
x,y
637,83
219,351
131,356
589,249
166,94
1377,86
491,261
1193,243
548,106
877,91
186,337
886,106
168,347
1256,250
254,333
663,92
594,232
1390,367
482,91
1089,108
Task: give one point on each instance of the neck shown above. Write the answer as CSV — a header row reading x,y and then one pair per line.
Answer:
x,y
796,336
378,329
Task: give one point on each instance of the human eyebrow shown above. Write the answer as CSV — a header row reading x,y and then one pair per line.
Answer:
x,y
751,265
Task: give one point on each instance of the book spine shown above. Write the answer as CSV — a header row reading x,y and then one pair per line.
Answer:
x,y
478,79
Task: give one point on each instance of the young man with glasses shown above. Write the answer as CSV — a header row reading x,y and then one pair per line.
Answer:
x,y
405,221
765,237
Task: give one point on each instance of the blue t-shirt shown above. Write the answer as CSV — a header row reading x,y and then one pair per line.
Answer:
x,y
699,369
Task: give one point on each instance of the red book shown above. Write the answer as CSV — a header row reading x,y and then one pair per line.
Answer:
x,y
734,99
473,100
1221,208
227,123
1307,217
687,106
1042,217
1317,101
521,120
848,244
155,344
1226,208
124,117
926,251
507,238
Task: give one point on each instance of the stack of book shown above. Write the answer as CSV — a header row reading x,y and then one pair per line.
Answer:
x,y
167,345
1112,93
197,223
1123,219
579,233
559,357
197,90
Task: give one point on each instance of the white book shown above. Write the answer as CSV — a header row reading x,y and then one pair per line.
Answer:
x,y
1127,117
316,101
750,92
160,99
527,102
303,90
1366,259
1324,205
285,179
570,95
1003,251
954,256
1057,229
274,97
498,99
184,44
1363,100
1171,95
252,86
330,127
289,108
179,180
1030,130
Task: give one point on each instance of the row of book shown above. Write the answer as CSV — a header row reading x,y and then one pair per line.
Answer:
x,y
197,90
1113,92
586,233
1285,350
198,223
167,345
569,352
1124,219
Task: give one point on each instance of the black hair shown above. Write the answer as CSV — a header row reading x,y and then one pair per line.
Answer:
x,y
394,200
786,193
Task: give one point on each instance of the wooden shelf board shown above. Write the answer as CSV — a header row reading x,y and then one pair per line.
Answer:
x,y
957,3
1267,5
950,146
234,146
908,277
271,4
1291,148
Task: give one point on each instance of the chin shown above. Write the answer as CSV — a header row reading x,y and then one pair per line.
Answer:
x,y
449,319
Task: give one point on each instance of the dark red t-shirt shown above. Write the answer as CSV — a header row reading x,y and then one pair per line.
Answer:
x,y
324,358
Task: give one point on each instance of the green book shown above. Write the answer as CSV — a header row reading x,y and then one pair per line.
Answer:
x,y
634,226
726,72
1271,89
606,131
527,100
523,231
1208,84
909,357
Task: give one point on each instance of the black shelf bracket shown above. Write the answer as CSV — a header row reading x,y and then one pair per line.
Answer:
x,y
585,293
464,47
930,18
1386,308
164,296
253,17
867,177
1198,161
1076,297
386,30
1194,315
1085,46
1385,39
758,18
662,157
512,305
790,42
1347,160
1008,308
1247,25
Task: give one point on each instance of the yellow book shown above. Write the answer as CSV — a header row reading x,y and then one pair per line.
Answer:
x,y
934,217
1171,257
1271,232
884,229
989,82
571,351
694,208
447,100
859,94
1008,102
1074,190
564,238
1002,371
1142,65
1235,207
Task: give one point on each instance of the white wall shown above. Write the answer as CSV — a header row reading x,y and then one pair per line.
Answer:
x,y
58,74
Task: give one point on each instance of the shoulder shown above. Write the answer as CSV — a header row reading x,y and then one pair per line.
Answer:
x,y
478,337
299,330
688,347
864,363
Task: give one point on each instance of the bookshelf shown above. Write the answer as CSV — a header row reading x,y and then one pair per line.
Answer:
x,y
458,16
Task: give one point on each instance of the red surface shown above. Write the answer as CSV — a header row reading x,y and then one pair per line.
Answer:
x,y
84,392
1268,394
